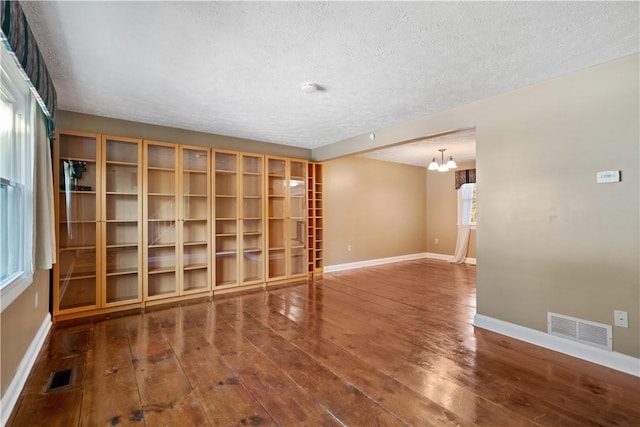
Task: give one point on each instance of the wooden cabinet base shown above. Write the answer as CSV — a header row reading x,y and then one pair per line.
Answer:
x,y
100,313
129,309
178,299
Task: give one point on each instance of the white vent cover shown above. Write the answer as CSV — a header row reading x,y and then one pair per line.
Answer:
x,y
584,331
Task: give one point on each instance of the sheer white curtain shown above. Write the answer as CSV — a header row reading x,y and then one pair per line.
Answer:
x,y
465,201
44,240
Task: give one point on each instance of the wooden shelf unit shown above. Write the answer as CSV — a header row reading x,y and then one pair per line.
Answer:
x,y
122,220
150,222
98,212
315,266
287,218
239,224
177,220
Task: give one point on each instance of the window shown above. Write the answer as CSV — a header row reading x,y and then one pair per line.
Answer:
x,y
16,181
467,205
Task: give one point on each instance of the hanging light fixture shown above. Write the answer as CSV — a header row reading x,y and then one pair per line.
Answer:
x,y
441,166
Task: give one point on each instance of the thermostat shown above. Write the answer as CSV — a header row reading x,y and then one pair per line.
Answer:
x,y
607,176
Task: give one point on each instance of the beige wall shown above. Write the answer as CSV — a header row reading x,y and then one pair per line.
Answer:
x,y
551,239
86,123
19,324
442,212
376,207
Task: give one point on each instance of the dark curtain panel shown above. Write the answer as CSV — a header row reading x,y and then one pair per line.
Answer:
x,y
467,176
18,38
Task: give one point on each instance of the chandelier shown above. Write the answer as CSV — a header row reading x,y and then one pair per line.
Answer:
x,y
441,166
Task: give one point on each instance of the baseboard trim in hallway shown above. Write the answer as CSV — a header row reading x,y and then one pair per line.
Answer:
x,y
390,260
611,359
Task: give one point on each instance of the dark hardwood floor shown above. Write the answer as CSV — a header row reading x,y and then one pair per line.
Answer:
x,y
387,345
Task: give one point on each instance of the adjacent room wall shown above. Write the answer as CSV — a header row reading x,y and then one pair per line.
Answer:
x,y
19,324
442,212
550,239
87,123
378,208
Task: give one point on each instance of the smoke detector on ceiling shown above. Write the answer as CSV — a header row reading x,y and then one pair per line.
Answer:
x,y
308,87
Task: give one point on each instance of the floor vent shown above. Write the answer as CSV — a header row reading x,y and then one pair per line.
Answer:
x,y
60,379
584,331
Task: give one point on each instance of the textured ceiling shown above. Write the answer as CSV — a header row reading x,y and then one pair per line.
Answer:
x,y
235,68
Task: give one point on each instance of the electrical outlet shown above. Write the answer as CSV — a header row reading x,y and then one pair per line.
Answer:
x,y
36,301
436,240
621,318
348,248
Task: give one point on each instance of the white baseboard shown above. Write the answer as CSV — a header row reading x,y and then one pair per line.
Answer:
x,y
444,257
10,397
610,359
389,260
372,262
441,257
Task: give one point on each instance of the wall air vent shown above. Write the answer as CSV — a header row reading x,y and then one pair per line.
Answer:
x,y
584,331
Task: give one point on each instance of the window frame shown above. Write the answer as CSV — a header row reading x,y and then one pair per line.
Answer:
x,y
474,200
14,89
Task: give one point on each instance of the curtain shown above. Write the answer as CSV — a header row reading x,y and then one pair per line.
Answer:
x,y
19,40
44,251
465,176
465,199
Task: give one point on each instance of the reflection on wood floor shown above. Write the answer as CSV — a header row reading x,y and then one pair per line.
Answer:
x,y
387,345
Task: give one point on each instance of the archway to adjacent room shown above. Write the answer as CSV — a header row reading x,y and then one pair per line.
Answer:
x,y
385,204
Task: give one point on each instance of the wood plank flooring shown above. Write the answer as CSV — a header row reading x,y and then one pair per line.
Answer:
x,y
390,345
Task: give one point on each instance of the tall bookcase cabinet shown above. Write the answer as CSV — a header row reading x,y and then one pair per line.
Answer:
x,y
177,220
286,207
144,222
314,218
98,211
239,224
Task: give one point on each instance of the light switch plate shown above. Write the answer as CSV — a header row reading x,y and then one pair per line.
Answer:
x,y
607,176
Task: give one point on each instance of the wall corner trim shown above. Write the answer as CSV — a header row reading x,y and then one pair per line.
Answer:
x,y
10,397
372,262
611,359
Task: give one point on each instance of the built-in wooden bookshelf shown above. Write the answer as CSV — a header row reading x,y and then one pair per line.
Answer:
x,y
177,220
287,214
98,211
252,220
195,219
239,224
77,184
122,221
144,222
314,217
227,219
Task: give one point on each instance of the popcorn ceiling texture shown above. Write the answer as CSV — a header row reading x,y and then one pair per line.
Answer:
x,y
235,68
